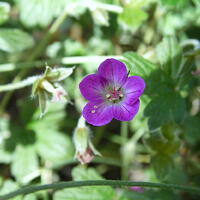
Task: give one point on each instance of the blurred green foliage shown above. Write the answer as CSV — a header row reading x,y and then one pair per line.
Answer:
x,y
157,40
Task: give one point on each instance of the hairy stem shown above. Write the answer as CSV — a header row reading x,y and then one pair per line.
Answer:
x,y
18,85
116,183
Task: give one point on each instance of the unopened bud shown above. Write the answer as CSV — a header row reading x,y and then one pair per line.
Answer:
x,y
85,151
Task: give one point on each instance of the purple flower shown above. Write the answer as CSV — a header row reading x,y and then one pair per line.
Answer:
x,y
111,93
137,189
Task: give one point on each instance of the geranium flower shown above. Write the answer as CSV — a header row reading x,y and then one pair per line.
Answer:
x,y
111,93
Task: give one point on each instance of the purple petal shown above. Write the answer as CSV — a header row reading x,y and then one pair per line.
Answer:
x,y
97,114
113,71
124,111
91,87
134,85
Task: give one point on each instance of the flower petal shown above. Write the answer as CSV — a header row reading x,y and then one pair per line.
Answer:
x,y
113,71
133,88
91,87
97,114
124,111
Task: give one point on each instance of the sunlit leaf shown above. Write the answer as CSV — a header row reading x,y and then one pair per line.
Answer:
x,y
174,2
4,12
30,197
5,156
54,147
138,65
100,17
169,54
133,15
14,40
39,12
25,164
9,186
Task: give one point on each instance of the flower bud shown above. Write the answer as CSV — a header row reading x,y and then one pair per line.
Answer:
x,y
47,88
85,151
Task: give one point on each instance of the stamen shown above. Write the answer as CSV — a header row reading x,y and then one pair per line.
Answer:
x,y
108,96
117,88
93,111
95,106
121,95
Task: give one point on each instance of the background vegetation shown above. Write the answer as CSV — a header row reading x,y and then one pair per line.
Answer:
x,y
157,39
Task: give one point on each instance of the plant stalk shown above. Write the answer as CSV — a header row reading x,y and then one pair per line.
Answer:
x,y
115,183
124,139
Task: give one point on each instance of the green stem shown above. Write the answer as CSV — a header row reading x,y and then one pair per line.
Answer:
x,y
116,183
64,60
124,139
18,85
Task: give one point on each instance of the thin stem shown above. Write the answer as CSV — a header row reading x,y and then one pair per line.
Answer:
x,y
18,85
116,183
124,139
64,60
124,132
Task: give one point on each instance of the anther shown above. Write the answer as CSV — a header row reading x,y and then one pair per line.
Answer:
x,y
93,111
117,88
121,95
95,106
108,96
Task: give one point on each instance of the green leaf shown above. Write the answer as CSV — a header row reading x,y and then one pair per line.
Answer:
x,y
177,174
30,197
163,165
151,194
100,17
85,193
25,164
165,108
14,40
8,187
191,130
54,147
27,109
4,12
158,143
138,65
74,48
4,128
52,119
5,156
174,2
39,12
169,54
133,15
